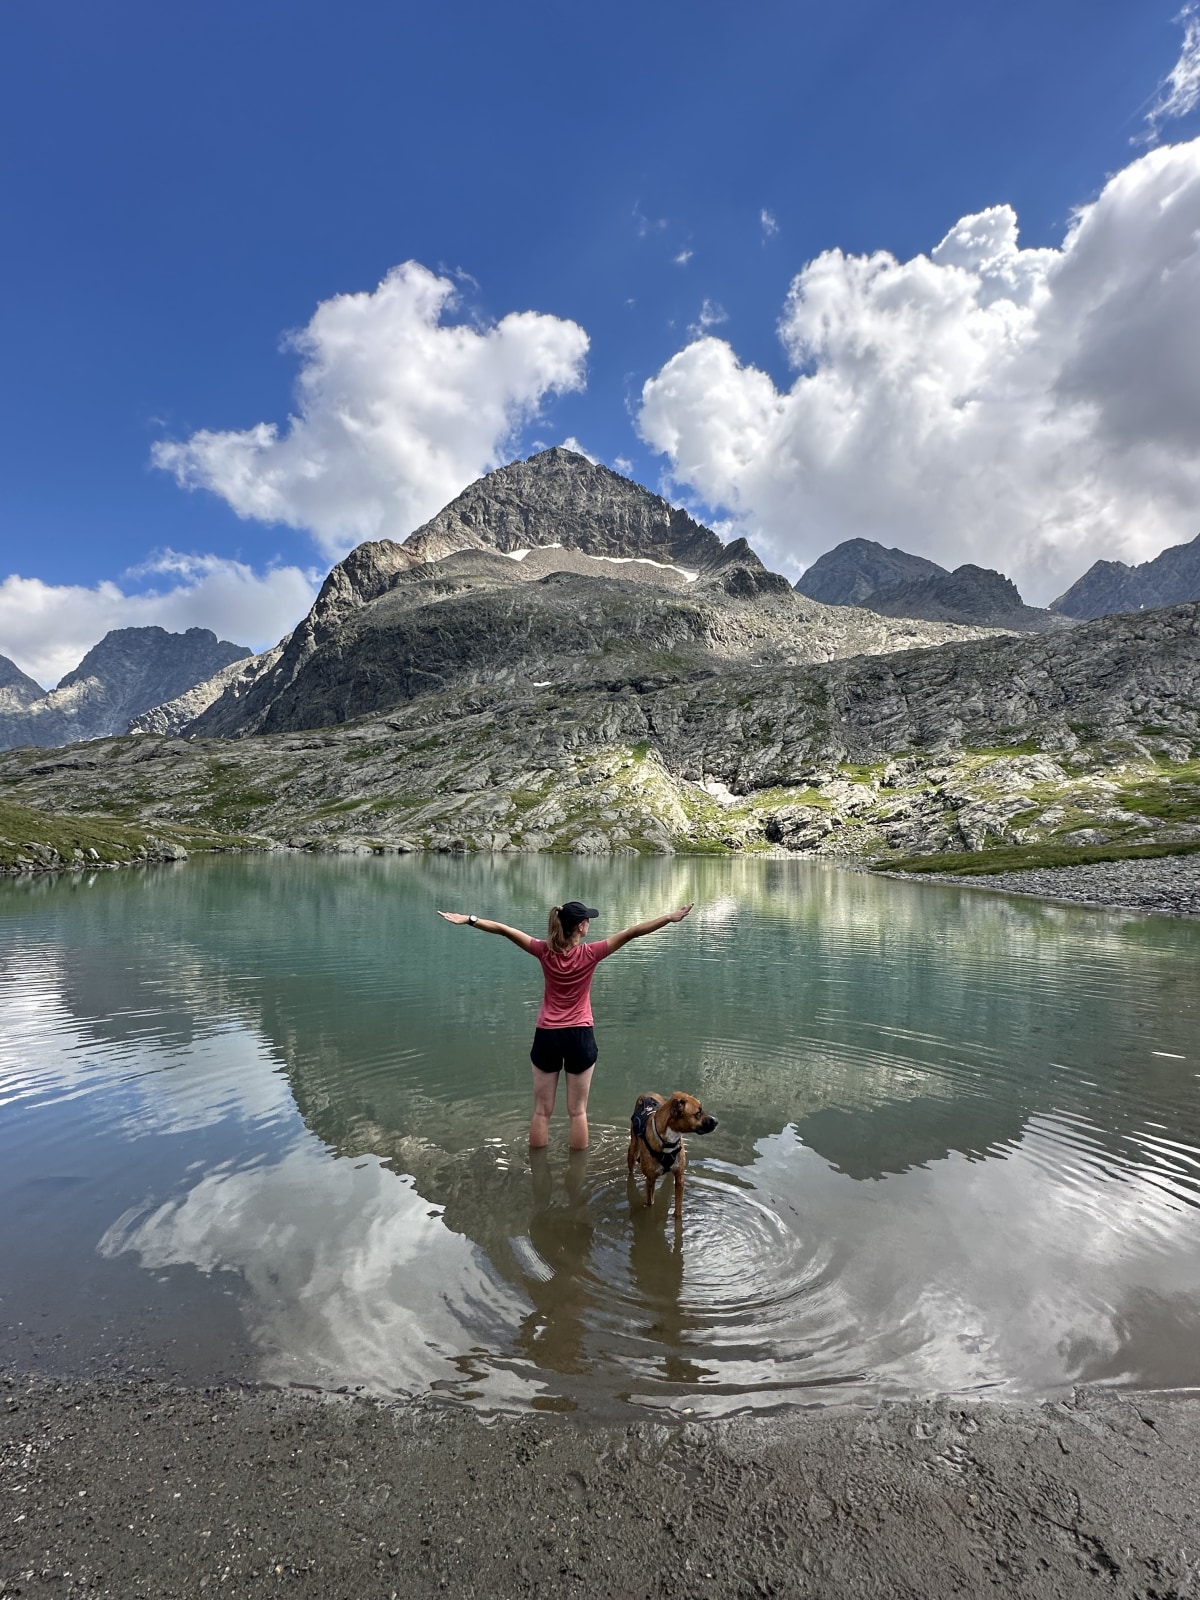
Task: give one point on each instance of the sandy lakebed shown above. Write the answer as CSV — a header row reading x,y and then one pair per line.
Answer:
x,y
118,1488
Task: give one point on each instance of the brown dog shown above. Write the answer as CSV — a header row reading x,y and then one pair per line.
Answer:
x,y
656,1132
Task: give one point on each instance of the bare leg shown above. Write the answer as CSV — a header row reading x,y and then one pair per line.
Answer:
x,y
545,1087
578,1084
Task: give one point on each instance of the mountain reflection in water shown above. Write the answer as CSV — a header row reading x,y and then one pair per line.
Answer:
x,y
267,1116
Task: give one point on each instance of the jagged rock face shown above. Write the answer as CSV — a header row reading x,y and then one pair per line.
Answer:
x,y
1110,586
17,689
239,705
235,680
130,670
558,497
968,594
856,569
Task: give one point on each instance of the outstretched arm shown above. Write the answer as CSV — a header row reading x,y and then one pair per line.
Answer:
x,y
484,926
640,929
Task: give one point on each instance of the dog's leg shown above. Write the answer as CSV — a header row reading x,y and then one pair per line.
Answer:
x,y
633,1150
650,1182
679,1193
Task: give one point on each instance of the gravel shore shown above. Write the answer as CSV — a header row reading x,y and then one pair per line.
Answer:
x,y
123,1489
1170,884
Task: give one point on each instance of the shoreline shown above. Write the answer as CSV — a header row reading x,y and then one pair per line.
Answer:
x,y
1160,885
123,1488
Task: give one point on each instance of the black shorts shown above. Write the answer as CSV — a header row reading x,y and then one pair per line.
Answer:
x,y
556,1049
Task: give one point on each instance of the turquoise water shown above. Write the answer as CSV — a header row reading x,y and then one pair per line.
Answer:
x,y
265,1118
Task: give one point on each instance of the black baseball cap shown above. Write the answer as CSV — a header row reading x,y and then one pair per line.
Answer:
x,y
574,912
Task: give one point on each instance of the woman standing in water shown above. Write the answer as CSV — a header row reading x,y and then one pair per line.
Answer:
x,y
563,1039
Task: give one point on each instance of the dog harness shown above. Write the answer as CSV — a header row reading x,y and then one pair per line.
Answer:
x,y
642,1122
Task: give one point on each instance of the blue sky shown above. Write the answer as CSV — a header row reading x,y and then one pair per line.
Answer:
x,y
183,187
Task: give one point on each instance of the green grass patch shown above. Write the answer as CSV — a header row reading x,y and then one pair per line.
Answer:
x,y
1021,858
113,840
1173,797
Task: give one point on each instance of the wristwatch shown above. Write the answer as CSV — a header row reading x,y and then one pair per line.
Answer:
x,y
472,920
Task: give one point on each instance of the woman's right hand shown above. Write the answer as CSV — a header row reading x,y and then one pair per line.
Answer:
x,y
678,916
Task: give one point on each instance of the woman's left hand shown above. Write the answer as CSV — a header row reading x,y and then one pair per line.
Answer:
x,y
678,916
456,917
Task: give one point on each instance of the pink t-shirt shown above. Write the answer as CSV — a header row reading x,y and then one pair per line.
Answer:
x,y
567,1002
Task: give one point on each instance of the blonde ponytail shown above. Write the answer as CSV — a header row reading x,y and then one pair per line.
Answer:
x,y
555,936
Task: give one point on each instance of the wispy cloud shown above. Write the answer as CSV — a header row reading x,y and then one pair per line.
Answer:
x,y
712,314
1179,92
684,256
770,227
644,226
572,443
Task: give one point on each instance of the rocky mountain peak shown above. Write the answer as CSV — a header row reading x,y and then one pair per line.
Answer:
x,y
856,569
558,497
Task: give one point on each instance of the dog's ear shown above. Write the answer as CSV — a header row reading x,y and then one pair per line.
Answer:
x,y
678,1105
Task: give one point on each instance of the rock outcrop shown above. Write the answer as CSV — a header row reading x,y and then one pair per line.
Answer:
x,y
969,594
1111,586
856,569
130,670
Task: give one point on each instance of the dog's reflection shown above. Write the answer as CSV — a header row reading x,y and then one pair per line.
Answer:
x,y
656,1261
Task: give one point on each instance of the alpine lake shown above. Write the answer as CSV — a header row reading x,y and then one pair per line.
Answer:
x,y
264,1119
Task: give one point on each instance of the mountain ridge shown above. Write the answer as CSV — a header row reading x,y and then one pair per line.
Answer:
x,y
124,674
1171,578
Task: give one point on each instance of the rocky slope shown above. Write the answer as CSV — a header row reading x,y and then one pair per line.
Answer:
x,y
1091,734
17,689
130,670
1111,586
969,594
856,569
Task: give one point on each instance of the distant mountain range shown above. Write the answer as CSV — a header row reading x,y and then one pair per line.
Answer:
x,y
1110,586
130,670
861,572
560,660
552,570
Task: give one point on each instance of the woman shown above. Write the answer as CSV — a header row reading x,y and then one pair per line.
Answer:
x,y
563,1039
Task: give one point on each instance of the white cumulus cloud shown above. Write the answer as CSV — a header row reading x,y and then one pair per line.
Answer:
x,y
48,628
1025,409
397,411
